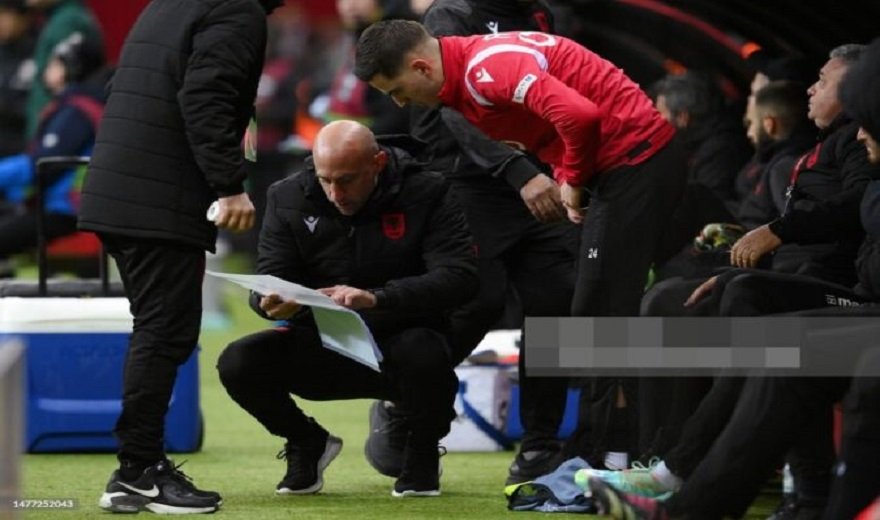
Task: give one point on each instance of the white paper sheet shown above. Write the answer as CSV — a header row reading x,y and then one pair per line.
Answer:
x,y
342,330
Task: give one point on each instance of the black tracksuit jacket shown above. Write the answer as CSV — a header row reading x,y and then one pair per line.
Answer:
x,y
820,228
409,244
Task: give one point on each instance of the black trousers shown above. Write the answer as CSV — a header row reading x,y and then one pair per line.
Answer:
x,y
753,293
855,484
768,420
771,417
163,283
536,260
621,237
665,404
261,370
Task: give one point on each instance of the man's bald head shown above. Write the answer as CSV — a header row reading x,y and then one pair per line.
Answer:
x,y
344,138
347,163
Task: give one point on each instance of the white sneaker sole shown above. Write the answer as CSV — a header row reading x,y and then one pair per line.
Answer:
x,y
136,504
414,493
331,450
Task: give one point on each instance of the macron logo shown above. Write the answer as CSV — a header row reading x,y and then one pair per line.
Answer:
x,y
483,76
311,223
492,26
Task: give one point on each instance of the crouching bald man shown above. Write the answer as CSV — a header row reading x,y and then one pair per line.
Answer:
x,y
369,227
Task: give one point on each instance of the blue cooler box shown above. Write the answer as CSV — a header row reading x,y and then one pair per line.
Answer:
x,y
74,353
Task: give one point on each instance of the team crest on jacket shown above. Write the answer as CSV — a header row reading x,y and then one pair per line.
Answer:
x,y
394,225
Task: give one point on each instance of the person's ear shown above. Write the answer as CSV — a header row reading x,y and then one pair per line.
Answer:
x,y
682,119
381,159
771,125
421,66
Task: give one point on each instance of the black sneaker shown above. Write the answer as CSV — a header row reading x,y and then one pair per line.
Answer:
x,y
386,441
306,463
420,475
794,508
162,488
529,465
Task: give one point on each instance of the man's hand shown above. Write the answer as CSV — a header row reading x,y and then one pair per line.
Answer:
x,y
571,199
277,307
701,291
749,249
541,196
350,297
236,213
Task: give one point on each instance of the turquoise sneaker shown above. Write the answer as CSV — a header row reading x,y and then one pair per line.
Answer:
x,y
637,481
624,506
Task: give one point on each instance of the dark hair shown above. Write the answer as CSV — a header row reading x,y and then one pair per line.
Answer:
x,y
382,47
787,100
82,56
692,92
860,87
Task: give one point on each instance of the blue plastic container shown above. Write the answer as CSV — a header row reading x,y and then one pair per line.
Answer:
x,y
74,375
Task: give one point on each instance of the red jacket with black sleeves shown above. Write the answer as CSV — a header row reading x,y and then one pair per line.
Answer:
x,y
549,95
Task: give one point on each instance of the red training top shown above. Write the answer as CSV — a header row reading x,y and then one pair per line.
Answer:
x,y
549,95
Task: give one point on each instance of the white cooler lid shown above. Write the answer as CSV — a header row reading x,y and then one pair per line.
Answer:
x,y
64,315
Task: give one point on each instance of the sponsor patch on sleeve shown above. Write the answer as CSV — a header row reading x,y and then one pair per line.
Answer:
x,y
519,95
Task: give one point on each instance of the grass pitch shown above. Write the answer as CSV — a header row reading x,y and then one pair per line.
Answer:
x,y
238,460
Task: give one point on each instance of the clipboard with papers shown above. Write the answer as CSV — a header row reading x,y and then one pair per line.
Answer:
x,y
342,330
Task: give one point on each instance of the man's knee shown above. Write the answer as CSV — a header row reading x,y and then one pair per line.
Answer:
x,y
666,298
235,363
742,294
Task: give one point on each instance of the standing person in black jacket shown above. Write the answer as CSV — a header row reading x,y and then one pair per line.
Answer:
x,y
367,226
169,144
514,211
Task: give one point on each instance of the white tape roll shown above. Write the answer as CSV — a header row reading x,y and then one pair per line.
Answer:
x,y
213,211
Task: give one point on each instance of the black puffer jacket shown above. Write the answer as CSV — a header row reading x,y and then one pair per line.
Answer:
x,y
457,148
410,244
180,101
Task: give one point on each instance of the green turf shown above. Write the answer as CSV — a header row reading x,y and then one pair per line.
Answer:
x,y
238,459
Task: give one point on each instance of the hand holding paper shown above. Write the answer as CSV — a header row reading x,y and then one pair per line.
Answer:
x,y
350,297
342,330
277,307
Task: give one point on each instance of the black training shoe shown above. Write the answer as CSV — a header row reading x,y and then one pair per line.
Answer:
x,y
420,475
306,463
793,508
162,488
386,441
529,465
